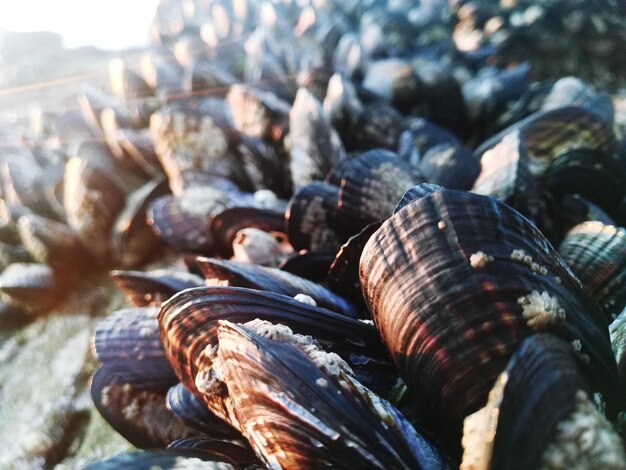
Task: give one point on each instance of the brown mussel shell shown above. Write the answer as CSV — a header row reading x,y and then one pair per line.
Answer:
x,y
223,272
296,414
596,253
452,281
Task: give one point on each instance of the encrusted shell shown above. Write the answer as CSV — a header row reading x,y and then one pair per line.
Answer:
x,y
332,420
454,282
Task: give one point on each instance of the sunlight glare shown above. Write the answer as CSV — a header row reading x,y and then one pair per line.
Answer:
x,y
108,24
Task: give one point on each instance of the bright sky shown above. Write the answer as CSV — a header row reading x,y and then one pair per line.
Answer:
x,y
108,24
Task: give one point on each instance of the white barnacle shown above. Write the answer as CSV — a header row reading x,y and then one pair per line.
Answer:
x,y
441,225
480,259
541,310
306,299
585,439
322,382
518,255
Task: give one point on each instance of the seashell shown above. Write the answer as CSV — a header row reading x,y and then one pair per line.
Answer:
x,y
575,209
9,214
226,225
456,308
349,58
311,265
341,105
385,33
238,452
506,174
195,414
132,150
166,459
10,254
52,243
549,136
151,288
333,420
263,166
223,272
128,341
207,77
491,90
184,222
596,253
255,246
441,98
420,136
258,113
26,183
343,273
539,413
189,139
161,74
133,240
393,80
93,101
189,321
451,166
314,220
92,199
31,286
137,413
313,147
126,83
378,126
372,183
572,91
315,81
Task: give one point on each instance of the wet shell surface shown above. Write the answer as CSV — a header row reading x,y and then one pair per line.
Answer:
x,y
329,429
596,253
448,315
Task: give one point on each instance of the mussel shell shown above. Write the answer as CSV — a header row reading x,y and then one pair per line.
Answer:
x,y
574,209
32,286
151,288
223,272
314,220
298,416
596,253
133,239
453,167
166,459
343,274
195,414
93,197
341,104
543,380
378,126
372,183
535,392
313,148
238,452
448,320
311,265
188,323
420,137
52,243
226,224
138,414
258,113
127,342
183,229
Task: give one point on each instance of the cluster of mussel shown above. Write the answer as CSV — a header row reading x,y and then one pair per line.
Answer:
x,y
355,285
